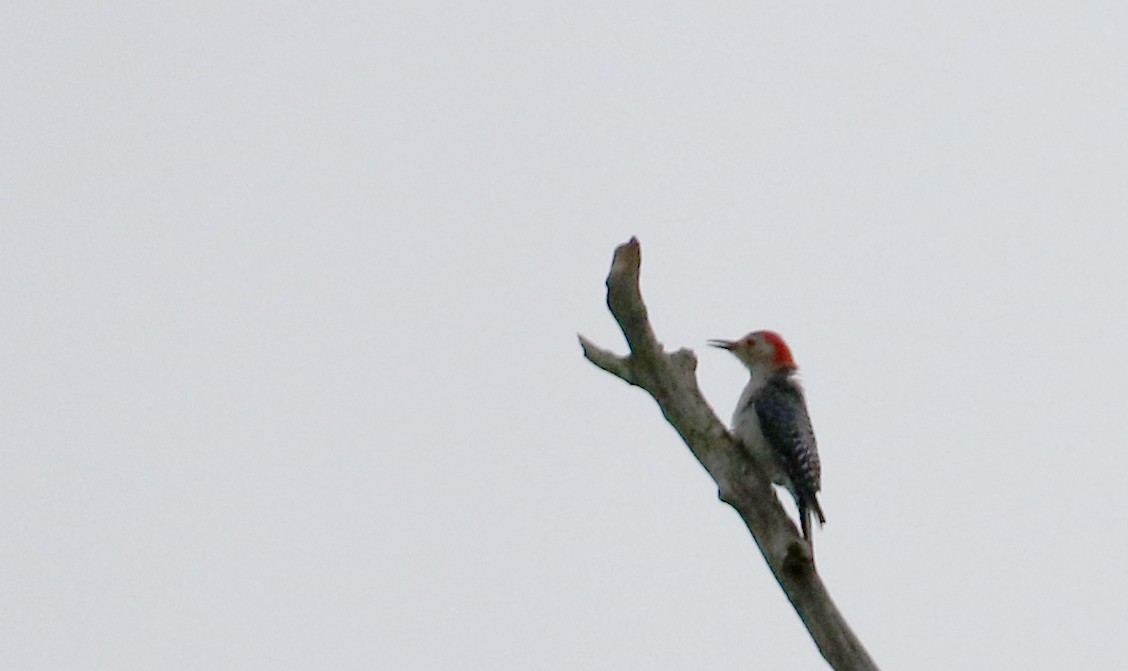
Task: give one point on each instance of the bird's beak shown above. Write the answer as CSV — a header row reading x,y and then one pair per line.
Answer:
x,y
723,344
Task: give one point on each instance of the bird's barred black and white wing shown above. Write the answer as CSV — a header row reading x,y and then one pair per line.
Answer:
x,y
786,426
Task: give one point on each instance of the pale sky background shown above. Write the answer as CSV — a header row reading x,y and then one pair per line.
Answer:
x,y
290,294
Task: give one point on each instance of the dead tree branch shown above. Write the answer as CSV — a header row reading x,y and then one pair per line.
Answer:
x,y
670,378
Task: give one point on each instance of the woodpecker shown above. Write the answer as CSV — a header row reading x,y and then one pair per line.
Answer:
x,y
772,423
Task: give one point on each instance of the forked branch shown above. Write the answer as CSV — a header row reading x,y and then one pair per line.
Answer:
x,y
670,378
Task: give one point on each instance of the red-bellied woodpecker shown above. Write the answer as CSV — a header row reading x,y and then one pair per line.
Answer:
x,y
772,423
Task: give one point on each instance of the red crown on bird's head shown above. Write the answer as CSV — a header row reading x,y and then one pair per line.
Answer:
x,y
783,357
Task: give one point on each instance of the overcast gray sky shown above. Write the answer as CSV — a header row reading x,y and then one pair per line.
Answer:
x,y
289,299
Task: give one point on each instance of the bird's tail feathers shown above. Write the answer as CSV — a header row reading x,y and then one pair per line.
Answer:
x,y
818,510
807,507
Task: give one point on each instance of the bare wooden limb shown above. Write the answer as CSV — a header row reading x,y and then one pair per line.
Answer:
x,y
670,378
607,360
